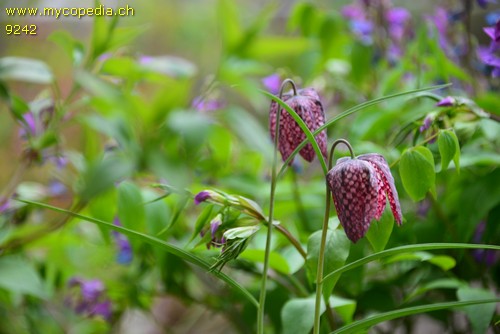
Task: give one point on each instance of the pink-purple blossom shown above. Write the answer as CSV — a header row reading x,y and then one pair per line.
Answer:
x,y
88,298
360,188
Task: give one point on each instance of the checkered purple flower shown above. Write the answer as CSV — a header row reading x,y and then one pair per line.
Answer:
x,y
308,106
360,189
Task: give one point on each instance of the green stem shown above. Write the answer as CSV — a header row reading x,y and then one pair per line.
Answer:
x,y
262,298
324,232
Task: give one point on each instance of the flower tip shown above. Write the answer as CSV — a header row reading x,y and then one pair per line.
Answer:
x,y
202,196
446,102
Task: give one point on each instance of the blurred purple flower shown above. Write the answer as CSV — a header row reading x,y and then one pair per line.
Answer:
x,y
205,105
56,188
441,20
426,124
359,22
489,55
492,17
360,188
272,83
308,106
125,253
5,205
484,256
484,3
397,19
448,101
88,298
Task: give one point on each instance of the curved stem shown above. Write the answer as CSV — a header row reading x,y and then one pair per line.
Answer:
x,y
262,297
324,232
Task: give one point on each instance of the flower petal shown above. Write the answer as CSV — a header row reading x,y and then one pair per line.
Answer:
x,y
355,193
382,168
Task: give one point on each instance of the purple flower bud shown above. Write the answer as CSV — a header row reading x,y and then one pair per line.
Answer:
x,y
484,256
427,123
360,188
446,102
272,83
214,225
202,196
308,106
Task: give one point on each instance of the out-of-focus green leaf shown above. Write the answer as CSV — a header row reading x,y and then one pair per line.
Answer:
x,y
344,307
73,48
201,221
276,261
227,13
100,176
18,276
417,172
130,206
25,69
380,231
449,148
479,315
174,250
277,47
297,315
445,283
443,261
175,67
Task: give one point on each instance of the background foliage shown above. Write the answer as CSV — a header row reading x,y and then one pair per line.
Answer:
x,y
122,122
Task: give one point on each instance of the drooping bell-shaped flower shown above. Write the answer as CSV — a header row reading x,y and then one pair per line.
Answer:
x,y
360,189
308,106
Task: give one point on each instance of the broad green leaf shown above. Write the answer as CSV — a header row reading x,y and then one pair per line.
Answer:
x,y
157,214
380,231
344,307
416,168
297,315
336,253
369,322
25,69
348,112
276,261
169,248
18,276
449,149
407,249
480,315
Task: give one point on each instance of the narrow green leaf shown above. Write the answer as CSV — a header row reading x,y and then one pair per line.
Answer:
x,y
379,318
443,283
130,208
416,168
407,249
352,111
174,250
449,149
201,221
303,127
344,307
479,315
73,48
